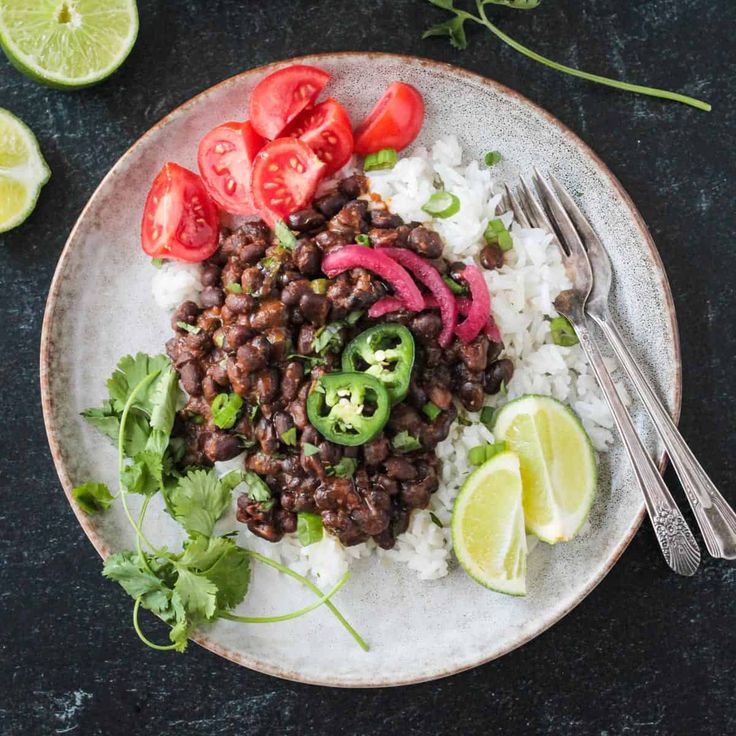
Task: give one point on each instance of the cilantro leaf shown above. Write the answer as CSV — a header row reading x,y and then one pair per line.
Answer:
x,y
104,418
92,497
163,397
144,475
453,27
200,499
309,449
404,442
329,339
127,569
198,594
129,372
343,469
258,490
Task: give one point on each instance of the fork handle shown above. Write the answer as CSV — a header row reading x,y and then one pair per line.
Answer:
x,y
675,539
716,519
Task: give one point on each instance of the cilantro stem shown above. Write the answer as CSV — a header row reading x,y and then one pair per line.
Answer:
x,y
309,584
324,598
626,86
142,636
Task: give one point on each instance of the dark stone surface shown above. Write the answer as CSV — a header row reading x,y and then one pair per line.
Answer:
x,y
647,652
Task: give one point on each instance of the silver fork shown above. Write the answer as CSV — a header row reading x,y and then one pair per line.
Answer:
x,y
675,539
715,518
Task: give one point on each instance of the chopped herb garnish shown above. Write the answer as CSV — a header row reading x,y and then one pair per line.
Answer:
x,y
310,360
285,236
386,158
435,520
344,469
492,158
487,414
455,287
258,490
92,497
480,454
442,205
309,449
234,288
192,329
309,528
354,317
196,418
225,409
157,262
270,265
404,442
563,333
253,412
463,420
363,239
503,389
289,437
329,339
431,410
319,286
219,339
496,232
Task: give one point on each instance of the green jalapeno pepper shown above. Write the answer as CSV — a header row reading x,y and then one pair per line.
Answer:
x,y
386,352
348,408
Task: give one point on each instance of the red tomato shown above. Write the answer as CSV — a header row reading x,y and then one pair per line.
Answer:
x,y
285,174
280,97
326,129
179,219
394,122
225,159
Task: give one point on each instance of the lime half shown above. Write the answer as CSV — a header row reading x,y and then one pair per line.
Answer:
x,y
68,43
488,526
22,171
558,469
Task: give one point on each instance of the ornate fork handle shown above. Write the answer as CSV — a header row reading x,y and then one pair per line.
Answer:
x,y
675,538
716,519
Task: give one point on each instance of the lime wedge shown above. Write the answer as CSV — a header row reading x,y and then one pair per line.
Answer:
x,y
558,469
68,43
488,526
22,171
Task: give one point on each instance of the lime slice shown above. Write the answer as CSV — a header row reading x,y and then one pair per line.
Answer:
x,y
558,469
68,43
22,171
488,526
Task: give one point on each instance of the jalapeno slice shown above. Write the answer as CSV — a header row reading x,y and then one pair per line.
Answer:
x,y
386,352
348,408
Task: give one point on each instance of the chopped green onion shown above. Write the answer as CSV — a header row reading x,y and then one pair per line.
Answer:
x,y
463,421
496,232
486,416
455,288
289,437
503,389
234,288
225,410
309,449
309,528
191,329
442,204
157,262
285,236
319,286
492,158
563,332
505,243
482,453
435,520
363,239
354,316
431,410
404,442
386,158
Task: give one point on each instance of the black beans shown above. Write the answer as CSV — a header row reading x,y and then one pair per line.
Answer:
x,y
270,313
253,356
497,373
191,376
251,253
399,468
307,257
291,380
235,335
211,296
305,220
314,307
282,423
491,257
354,186
426,326
330,204
186,312
221,446
385,219
211,275
293,292
471,395
305,339
239,303
327,240
376,451
426,242
475,354
267,384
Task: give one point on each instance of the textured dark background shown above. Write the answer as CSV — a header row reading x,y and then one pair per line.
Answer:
x,y
647,652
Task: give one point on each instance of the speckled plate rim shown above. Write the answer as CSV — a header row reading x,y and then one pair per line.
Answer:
x,y
46,349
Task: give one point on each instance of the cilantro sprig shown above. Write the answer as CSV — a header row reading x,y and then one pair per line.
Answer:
x,y
211,574
454,28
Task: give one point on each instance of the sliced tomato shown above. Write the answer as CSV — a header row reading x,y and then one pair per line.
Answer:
x,y
225,158
285,175
278,98
394,122
326,129
180,220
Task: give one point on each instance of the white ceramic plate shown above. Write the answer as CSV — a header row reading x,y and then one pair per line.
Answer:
x,y
100,307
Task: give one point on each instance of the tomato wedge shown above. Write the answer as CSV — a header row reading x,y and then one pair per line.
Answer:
x,y
285,175
394,122
180,220
225,158
326,129
278,98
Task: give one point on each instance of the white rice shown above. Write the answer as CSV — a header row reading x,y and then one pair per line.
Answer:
x,y
522,294
176,282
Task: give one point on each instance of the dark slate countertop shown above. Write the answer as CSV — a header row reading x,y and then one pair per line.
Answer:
x,y
647,652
